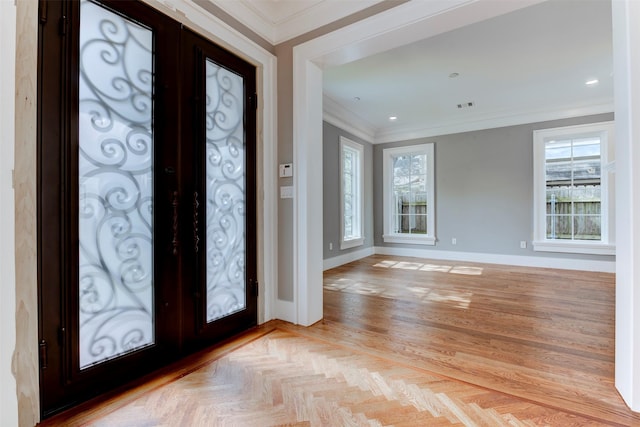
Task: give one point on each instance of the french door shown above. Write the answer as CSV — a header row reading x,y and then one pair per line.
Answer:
x,y
147,235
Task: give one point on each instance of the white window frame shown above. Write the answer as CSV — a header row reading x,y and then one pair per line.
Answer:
x,y
357,179
390,236
606,244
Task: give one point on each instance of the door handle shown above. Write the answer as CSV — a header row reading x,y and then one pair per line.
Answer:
x,y
196,231
175,203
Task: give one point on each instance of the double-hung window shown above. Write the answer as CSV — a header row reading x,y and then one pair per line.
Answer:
x,y
409,210
351,189
573,198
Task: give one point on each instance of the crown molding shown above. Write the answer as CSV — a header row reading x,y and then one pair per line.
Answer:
x,y
320,14
490,121
249,17
276,31
337,115
347,120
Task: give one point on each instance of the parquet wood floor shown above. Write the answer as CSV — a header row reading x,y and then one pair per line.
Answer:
x,y
404,342
284,378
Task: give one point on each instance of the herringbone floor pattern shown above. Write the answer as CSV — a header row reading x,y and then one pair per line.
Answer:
x,y
286,379
403,341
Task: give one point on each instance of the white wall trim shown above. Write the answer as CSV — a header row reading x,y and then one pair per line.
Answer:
x,y
515,260
626,66
322,13
605,246
339,260
214,29
307,182
401,25
268,197
388,197
279,27
476,257
8,398
357,182
573,247
250,17
286,310
347,120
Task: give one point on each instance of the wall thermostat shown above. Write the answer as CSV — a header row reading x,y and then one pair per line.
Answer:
x,y
286,170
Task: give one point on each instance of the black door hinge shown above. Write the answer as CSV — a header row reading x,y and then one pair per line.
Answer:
x,y
253,99
64,22
62,336
257,288
44,8
44,354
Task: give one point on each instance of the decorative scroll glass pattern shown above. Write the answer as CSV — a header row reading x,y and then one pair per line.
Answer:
x,y
116,186
225,206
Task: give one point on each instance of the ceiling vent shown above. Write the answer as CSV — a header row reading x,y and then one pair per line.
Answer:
x,y
465,105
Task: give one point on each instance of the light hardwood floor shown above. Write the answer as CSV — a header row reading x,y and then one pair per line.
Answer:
x,y
539,334
438,343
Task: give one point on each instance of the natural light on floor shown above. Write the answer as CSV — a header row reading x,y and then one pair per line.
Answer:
x,y
421,294
416,293
458,269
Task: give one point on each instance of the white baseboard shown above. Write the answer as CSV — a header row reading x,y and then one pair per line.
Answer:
x,y
347,258
519,260
285,310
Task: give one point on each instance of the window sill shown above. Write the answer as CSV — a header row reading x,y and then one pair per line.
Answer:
x,y
351,243
409,239
574,247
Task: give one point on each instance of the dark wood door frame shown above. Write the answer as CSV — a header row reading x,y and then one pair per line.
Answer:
x,y
196,50
61,382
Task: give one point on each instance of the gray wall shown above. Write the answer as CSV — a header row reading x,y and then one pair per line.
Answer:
x,y
284,52
484,189
449,221
331,191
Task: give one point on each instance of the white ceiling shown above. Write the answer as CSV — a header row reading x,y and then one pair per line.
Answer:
x,y
524,66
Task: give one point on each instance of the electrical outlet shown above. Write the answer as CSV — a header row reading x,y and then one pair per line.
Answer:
x,y
453,241
330,246
286,192
523,244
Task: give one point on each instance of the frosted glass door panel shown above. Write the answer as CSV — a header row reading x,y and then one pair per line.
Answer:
x,y
115,186
225,192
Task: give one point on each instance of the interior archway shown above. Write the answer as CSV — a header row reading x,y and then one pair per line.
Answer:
x,y
410,22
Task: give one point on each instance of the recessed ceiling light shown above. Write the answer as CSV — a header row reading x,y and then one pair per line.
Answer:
x,y
357,98
393,118
453,75
591,82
